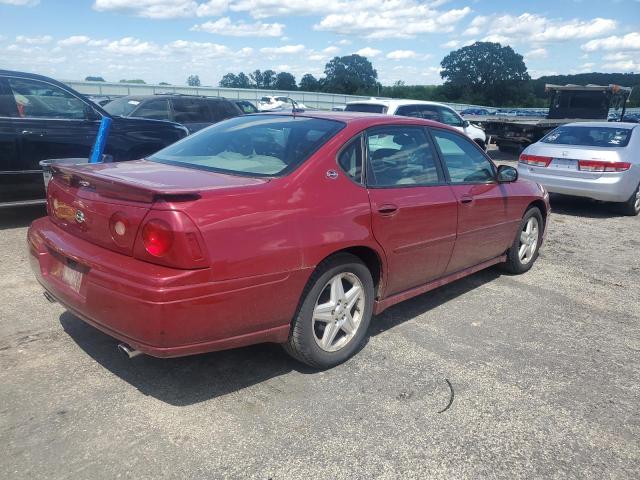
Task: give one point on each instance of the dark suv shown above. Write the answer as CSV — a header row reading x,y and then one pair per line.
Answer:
x,y
194,112
41,119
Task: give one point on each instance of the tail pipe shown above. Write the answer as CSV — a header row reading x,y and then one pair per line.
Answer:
x,y
128,351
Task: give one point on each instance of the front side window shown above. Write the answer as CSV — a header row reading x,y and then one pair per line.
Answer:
x,y
400,156
190,110
157,109
449,117
465,162
350,159
36,99
253,145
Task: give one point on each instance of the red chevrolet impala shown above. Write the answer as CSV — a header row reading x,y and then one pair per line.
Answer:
x,y
287,228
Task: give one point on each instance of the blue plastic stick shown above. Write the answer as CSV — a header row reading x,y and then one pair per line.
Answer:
x,y
101,141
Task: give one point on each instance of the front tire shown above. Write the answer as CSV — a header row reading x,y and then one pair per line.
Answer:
x,y
525,248
334,315
632,206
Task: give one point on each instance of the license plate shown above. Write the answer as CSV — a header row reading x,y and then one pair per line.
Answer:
x,y
564,163
69,276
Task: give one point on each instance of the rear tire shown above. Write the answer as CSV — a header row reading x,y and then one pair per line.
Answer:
x,y
525,248
632,206
334,315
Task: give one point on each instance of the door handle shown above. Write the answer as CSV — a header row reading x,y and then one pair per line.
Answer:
x,y
388,209
466,199
39,133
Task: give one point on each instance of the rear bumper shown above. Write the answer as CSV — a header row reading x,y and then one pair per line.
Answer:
x,y
161,311
608,187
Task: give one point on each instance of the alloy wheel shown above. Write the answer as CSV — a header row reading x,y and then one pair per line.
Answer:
x,y
528,240
338,312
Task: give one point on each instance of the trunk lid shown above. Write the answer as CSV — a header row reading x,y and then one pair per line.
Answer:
x,y
106,204
565,158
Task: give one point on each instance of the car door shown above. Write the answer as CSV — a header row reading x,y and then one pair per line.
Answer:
x,y
12,175
484,228
192,112
50,123
414,212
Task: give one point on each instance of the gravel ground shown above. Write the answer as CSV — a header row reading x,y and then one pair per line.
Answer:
x,y
544,367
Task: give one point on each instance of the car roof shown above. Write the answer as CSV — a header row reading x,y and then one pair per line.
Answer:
x,y
362,119
390,102
171,95
627,125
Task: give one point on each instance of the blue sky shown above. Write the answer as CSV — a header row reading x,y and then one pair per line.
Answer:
x,y
167,40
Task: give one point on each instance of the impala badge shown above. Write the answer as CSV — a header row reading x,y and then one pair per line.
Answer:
x,y
79,216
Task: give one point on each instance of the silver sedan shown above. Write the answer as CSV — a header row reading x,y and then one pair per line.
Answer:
x,y
599,160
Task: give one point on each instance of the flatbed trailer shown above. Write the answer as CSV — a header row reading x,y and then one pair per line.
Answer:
x,y
568,104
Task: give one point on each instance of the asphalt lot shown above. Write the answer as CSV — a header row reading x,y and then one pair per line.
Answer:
x,y
545,369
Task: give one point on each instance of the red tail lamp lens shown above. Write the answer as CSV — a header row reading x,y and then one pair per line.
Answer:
x,y
600,166
157,237
535,160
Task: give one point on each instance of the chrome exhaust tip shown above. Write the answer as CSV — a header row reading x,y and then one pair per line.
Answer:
x,y
128,351
50,298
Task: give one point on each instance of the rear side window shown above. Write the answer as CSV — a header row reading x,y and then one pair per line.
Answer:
x,y
157,109
400,156
589,136
121,107
36,99
419,111
366,108
464,161
350,159
190,110
221,109
7,102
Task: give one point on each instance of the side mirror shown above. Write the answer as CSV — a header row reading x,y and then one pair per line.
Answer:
x,y
465,123
507,174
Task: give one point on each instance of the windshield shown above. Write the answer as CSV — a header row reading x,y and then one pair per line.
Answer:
x,y
365,107
121,107
589,136
252,145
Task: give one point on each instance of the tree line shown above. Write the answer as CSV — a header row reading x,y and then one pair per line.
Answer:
x,y
485,73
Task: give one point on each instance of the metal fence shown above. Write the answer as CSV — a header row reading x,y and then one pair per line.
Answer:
x,y
316,100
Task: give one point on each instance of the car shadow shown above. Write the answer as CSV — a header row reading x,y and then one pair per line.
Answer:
x,y
198,378
17,217
582,207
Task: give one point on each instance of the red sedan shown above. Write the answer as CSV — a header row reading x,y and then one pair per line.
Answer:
x,y
287,228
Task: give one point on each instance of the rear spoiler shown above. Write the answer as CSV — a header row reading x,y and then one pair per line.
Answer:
x,y
105,186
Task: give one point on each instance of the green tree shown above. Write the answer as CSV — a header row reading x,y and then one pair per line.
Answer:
x,y
256,78
164,83
268,79
228,80
243,81
193,81
136,80
485,72
284,81
350,74
309,83
93,79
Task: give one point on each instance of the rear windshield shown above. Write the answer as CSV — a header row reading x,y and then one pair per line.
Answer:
x,y
252,145
121,107
589,136
365,107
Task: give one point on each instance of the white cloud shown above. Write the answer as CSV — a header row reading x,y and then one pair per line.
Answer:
x,y
537,53
369,52
224,26
401,54
393,19
20,3
74,40
41,40
132,46
630,41
284,50
162,9
332,50
533,28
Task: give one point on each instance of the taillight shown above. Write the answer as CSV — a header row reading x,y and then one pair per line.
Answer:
x,y
535,160
600,166
170,238
157,237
